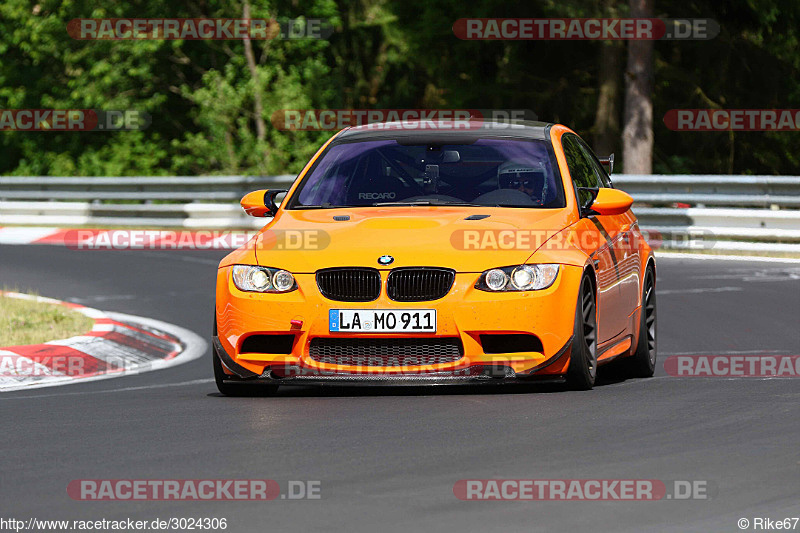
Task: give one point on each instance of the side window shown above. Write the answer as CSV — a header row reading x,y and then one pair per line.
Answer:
x,y
580,168
599,171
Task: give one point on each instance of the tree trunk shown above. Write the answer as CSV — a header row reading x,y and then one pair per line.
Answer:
x,y
258,108
637,135
607,130
606,122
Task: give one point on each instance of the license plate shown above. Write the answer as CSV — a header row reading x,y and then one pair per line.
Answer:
x,y
382,321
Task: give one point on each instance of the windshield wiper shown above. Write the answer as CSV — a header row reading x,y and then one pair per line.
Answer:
x,y
427,202
325,205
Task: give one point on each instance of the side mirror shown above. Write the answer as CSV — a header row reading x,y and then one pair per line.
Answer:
x,y
608,163
611,202
261,203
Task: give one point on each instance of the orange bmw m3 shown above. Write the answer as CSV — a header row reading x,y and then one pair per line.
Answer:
x,y
483,252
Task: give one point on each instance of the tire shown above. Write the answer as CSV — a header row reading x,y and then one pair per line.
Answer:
x,y
230,386
642,364
582,371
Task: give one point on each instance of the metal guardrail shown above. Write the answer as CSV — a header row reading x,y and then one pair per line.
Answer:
x,y
734,191
136,188
160,201
732,213
742,212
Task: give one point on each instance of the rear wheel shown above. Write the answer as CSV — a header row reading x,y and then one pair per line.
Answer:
x,y
643,363
232,386
582,371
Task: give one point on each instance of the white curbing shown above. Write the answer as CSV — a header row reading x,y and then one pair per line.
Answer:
x,y
126,359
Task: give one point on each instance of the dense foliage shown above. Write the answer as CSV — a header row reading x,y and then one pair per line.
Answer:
x,y
382,54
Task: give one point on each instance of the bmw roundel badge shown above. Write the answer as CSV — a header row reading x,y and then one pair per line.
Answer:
x,y
385,260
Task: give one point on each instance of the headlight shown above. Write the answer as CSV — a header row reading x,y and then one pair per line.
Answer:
x,y
496,279
282,280
518,278
262,279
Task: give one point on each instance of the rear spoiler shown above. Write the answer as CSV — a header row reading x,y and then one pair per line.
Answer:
x,y
608,163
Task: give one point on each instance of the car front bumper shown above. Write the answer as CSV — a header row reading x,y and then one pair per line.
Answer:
x,y
465,313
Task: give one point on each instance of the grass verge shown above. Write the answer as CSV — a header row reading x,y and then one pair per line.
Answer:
x,y
32,322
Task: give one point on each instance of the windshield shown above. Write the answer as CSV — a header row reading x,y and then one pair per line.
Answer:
x,y
486,172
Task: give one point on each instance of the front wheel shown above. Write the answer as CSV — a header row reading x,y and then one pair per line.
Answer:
x,y
582,371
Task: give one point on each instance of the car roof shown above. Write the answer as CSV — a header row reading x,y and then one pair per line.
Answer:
x,y
439,131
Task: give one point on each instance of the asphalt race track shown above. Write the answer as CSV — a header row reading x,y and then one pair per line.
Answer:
x,y
387,459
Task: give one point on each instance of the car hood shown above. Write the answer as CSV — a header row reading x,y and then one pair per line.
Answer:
x,y
304,241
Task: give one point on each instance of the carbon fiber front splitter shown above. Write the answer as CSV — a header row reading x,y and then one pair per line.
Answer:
x,y
405,381
474,375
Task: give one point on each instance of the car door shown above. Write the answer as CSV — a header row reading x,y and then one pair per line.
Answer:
x,y
611,317
623,243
